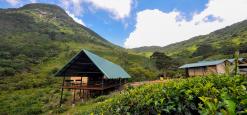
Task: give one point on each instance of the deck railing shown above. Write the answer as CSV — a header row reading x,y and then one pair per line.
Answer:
x,y
96,85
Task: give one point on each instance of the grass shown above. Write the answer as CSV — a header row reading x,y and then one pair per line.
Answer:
x,y
88,105
83,108
28,101
37,91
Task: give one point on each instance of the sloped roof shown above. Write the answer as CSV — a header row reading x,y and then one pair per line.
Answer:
x,y
240,59
203,63
109,69
209,63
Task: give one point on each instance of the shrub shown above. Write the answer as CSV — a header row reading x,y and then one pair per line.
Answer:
x,y
142,74
204,95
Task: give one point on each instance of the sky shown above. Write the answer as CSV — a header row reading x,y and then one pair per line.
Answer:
x,y
137,23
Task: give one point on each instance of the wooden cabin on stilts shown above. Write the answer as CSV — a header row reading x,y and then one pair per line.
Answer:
x,y
89,75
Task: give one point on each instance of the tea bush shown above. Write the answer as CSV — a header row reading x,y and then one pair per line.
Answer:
x,y
199,95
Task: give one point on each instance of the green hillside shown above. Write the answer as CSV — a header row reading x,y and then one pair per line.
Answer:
x,y
36,41
219,44
36,32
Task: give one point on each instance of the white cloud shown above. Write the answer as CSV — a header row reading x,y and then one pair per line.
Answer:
x,y
75,18
13,2
119,8
33,1
74,6
155,27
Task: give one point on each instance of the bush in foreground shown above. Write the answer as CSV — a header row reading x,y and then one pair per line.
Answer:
x,y
199,95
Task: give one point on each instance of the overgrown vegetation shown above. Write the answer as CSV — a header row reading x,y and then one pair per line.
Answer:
x,y
200,95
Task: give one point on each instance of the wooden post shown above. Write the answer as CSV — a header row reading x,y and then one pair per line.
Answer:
x,y
80,88
102,85
74,95
62,92
102,82
83,93
120,82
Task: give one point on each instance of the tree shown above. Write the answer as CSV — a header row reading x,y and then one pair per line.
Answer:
x,y
243,48
228,48
204,50
161,61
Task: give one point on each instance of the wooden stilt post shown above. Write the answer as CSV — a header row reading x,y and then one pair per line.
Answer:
x,y
80,88
102,82
62,92
102,85
83,93
120,82
74,95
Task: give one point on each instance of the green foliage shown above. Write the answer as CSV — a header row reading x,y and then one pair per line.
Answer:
x,y
221,43
236,63
29,52
204,50
36,41
140,74
243,48
35,33
31,101
161,61
205,95
165,64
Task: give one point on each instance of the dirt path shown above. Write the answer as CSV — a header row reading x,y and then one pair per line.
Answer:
x,y
135,84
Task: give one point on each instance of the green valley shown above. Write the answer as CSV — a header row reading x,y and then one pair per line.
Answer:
x,y
38,39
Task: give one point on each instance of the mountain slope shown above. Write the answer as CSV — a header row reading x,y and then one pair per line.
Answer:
x,y
36,41
231,37
33,33
45,19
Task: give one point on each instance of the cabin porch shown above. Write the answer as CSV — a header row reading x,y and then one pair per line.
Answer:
x,y
86,87
105,84
89,75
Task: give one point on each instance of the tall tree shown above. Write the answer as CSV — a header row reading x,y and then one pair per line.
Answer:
x,y
161,61
243,48
204,50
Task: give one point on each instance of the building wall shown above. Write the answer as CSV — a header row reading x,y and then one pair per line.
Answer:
x,y
84,79
211,70
201,71
197,71
243,69
215,69
221,68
